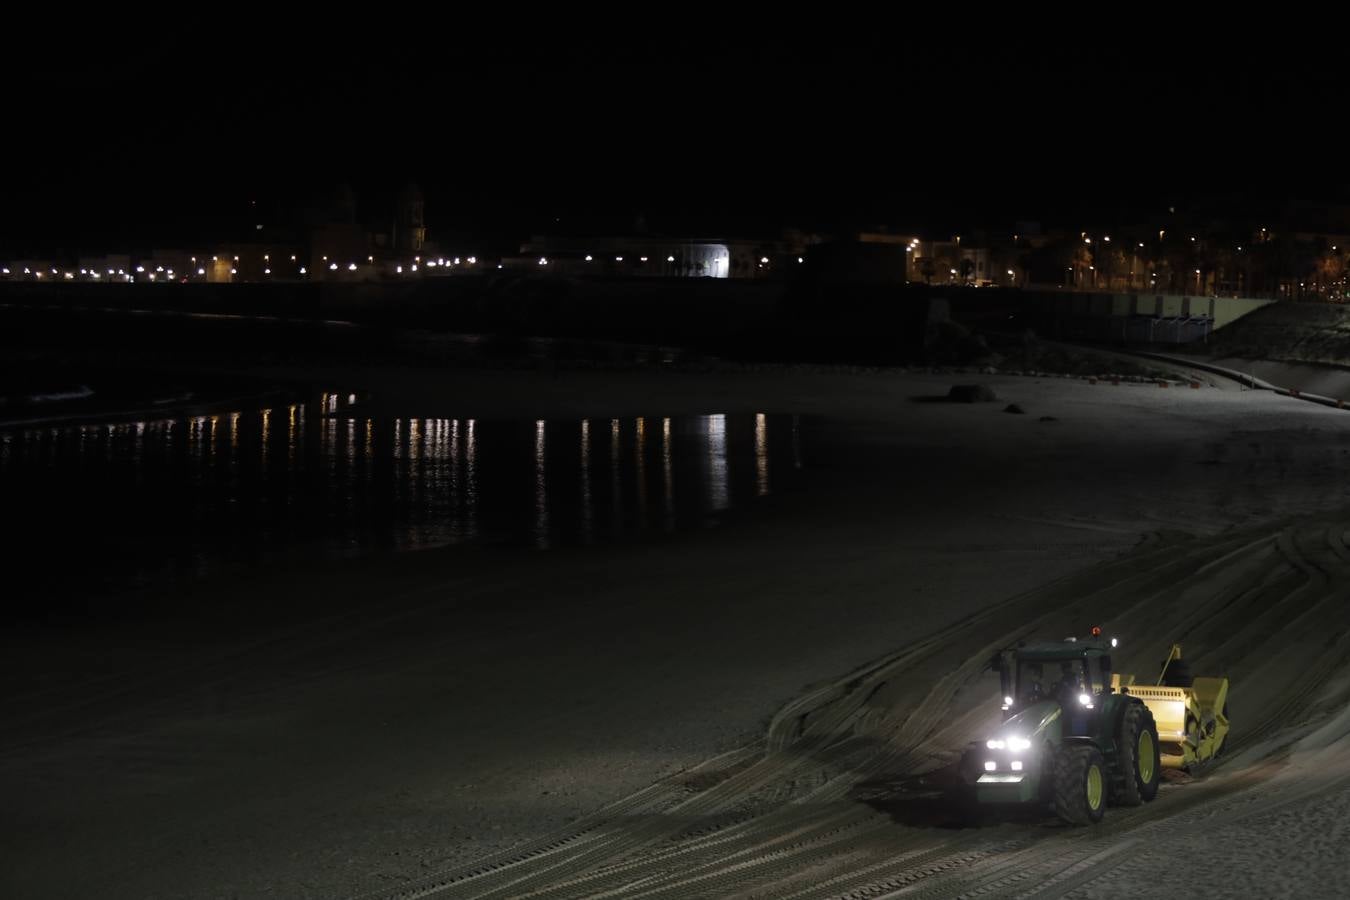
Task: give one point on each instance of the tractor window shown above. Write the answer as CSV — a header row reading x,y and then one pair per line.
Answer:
x,y
1033,682
1069,680
1099,673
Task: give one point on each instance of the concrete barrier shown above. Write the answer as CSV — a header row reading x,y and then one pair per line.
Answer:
x,y
1243,378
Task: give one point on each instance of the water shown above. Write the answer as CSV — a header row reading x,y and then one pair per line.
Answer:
x,y
120,505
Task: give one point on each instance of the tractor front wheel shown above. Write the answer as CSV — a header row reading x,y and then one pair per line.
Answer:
x,y
1140,758
1079,784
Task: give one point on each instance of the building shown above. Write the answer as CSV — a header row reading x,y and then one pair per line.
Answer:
x,y
642,256
957,260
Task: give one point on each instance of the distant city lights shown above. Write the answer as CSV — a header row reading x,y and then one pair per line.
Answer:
x,y
737,262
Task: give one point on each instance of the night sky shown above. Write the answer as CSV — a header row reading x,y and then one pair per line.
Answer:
x,y
923,124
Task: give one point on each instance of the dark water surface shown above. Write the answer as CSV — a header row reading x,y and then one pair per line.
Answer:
x,y
97,507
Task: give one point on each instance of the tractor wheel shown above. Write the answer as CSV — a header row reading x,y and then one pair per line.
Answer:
x,y
1080,784
1140,759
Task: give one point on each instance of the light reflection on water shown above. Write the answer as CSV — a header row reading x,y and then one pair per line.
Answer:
x,y
156,497
717,462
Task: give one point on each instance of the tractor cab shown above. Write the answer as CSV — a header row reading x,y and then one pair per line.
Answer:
x,y
1074,673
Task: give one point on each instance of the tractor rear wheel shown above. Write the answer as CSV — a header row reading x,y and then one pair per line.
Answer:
x,y
1079,784
1140,758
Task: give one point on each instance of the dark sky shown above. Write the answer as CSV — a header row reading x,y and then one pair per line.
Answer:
x,y
734,128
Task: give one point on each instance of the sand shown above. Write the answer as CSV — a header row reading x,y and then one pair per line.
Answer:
x,y
612,719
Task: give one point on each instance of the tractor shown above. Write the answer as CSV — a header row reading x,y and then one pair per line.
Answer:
x,y
1076,736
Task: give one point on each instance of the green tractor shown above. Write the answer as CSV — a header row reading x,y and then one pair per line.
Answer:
x,y
1071,738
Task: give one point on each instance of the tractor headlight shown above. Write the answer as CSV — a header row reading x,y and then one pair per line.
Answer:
x,y
994,745
1085,699
1017,745
990,766
1007,701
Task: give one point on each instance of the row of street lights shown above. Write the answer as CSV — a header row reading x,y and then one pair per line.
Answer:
x,y
168,273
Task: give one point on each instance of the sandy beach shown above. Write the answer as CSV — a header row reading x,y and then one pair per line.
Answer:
x,y
352,729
